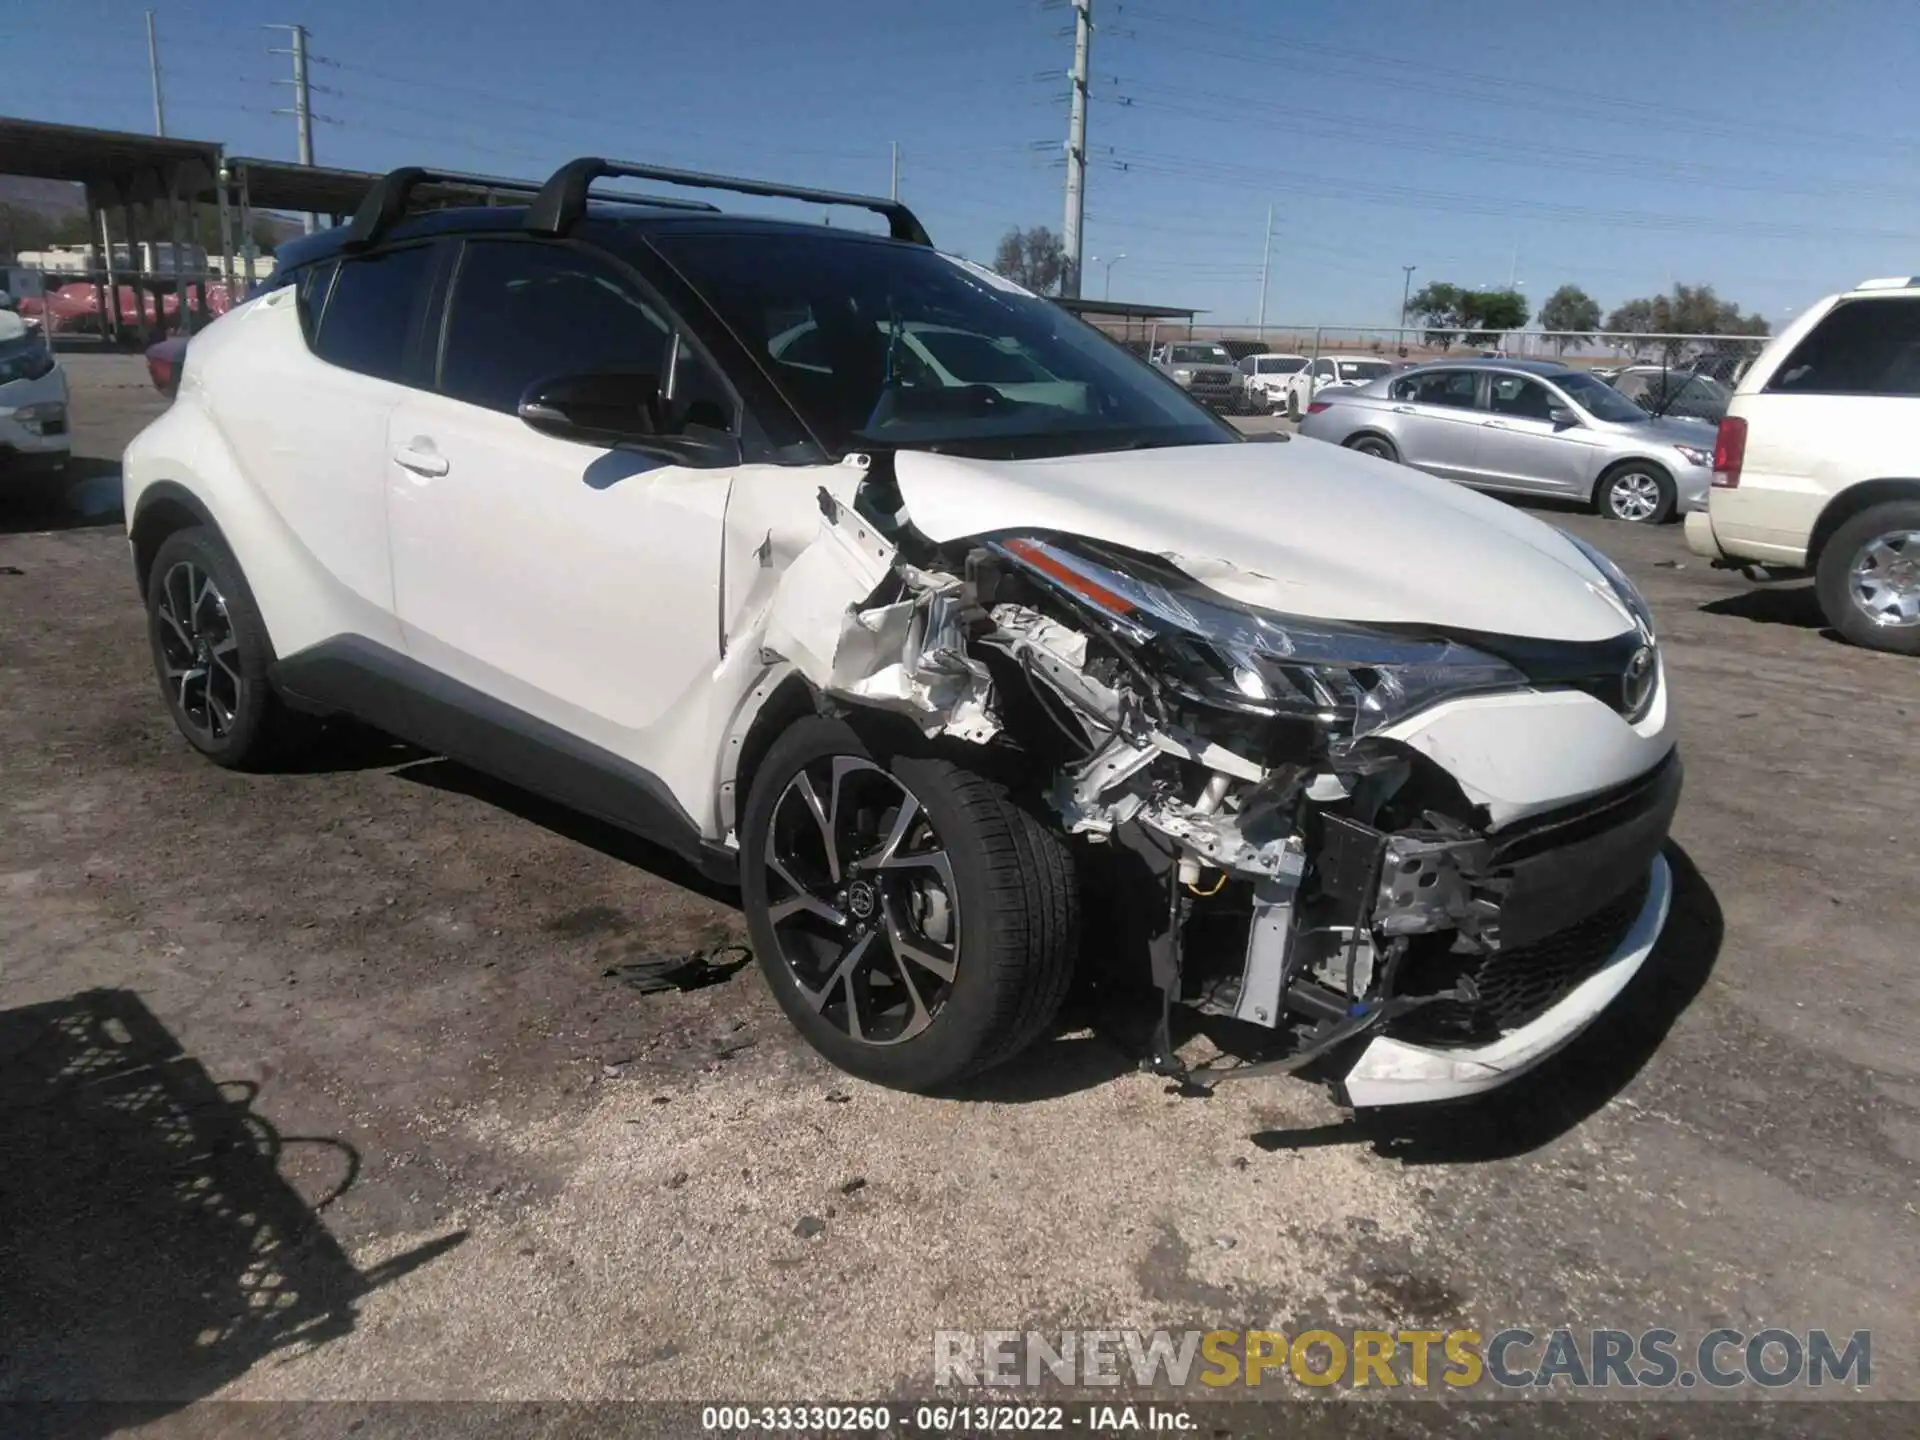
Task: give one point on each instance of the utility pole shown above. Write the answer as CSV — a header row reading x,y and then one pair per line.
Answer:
x,y
1513,271
894,192
1266,259
1077,147
153,65
302,111
1406,290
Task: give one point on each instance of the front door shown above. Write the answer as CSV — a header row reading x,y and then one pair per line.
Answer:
x,y
1523,447
1436,420
574,584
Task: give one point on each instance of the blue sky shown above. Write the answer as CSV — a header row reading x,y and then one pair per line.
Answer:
x,y
1766,147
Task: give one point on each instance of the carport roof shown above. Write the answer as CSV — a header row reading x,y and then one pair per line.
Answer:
x,y
282,185
1126,310
116,166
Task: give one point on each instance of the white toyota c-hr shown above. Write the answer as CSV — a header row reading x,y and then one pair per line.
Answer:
x,y
900,653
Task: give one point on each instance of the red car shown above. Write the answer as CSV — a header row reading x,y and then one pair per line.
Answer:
x,y
165,358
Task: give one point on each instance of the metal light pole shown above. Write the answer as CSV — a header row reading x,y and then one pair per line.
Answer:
x,y
1106,287
153,65
1266,260
302,99
1406,290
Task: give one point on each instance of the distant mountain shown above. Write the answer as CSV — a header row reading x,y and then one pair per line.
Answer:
x,y
55,199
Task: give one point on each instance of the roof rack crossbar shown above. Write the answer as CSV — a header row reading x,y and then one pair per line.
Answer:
x,y
563,199
387,201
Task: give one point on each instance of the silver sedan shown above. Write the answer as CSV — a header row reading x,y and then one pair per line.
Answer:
x,y
1528,427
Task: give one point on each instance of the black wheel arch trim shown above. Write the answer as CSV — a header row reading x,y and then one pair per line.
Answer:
x,y
142,542
398,694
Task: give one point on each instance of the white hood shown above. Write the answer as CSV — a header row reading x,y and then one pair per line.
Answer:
x,y
1300,527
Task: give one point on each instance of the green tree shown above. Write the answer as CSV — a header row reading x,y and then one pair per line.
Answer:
x,y
1441,309
1035,258
1687,310
1572,313
1491,313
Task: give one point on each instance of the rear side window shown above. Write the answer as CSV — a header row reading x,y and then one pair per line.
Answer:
x,y
1863,347
369,318
524,312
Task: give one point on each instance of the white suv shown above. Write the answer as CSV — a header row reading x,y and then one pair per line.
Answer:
x,y
1817,465
35,440
662,513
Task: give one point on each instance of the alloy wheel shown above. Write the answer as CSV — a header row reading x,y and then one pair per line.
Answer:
x,y
200,654
862,900
1634,495
1374,448
1884,579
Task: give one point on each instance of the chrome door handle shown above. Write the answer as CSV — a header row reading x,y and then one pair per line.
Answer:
x,y
1494,425
420,462
1403,410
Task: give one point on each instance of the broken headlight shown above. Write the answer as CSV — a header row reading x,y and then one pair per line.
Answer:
x,y
1347,678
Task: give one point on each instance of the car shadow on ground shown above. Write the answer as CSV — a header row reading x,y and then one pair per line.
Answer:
x,y
150,1249
610,840
86,494
1567,1088
1790,604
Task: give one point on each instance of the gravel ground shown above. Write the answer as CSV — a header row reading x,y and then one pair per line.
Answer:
x,y
384,1119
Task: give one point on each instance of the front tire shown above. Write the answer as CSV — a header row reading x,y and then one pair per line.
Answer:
x,y
1868,578
915,923
1636,492
211,653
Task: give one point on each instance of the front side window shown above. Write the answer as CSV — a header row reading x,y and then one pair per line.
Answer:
x,y
880,344
1456,389
369,319
523,312
1862,347
1323,370
1519,397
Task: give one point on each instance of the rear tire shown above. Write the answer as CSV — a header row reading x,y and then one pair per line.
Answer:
x,y
211,654
1868,578
923,969
1378,446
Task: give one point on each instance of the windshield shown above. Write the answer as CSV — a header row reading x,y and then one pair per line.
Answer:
x,y
1363,369
1290,365
846,327
1599,399
1201,355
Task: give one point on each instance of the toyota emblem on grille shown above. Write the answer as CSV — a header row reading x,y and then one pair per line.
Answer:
x,y
1636,681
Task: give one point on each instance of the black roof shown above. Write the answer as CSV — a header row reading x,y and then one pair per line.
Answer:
x,y
117,166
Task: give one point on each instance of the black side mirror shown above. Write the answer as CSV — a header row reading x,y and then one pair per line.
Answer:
x,y
605,407
1562,417
622,408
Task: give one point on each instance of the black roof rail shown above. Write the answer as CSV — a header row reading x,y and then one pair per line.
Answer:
x,y
563,199
386,202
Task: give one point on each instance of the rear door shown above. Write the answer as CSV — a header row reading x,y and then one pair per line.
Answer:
x,y
1523,448
1436,420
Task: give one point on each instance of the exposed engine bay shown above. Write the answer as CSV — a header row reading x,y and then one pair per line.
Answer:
x,y
1246,767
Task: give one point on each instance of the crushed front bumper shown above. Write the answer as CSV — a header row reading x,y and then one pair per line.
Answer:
x,y
1393,1071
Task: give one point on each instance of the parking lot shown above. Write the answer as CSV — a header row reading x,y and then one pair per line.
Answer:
x,y
400,1122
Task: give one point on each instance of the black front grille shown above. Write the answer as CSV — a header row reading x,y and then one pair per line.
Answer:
x,y
1515,986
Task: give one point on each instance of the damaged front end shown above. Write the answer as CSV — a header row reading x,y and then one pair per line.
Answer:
x,y
1246,761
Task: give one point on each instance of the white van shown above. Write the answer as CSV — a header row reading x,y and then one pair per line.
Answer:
x,y
1817,463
